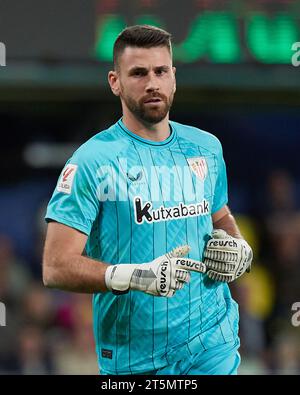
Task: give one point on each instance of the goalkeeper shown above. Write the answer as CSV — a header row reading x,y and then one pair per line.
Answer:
x,y
158,254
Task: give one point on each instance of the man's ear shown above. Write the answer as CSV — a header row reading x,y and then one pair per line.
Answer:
x,y
174,72
113,80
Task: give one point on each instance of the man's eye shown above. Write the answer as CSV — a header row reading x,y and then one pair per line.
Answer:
x,y
160,72
138,74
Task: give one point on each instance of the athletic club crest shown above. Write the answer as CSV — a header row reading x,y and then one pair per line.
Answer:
x,y
198,166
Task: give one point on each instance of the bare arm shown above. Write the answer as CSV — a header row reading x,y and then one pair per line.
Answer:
x,y
223,219
64,267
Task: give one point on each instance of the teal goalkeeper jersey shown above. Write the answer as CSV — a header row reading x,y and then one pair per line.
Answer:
x,y
137,199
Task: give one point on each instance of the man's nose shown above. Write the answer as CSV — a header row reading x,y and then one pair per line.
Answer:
x,y
152,83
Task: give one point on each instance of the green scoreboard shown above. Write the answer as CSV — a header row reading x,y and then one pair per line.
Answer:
x,y
204,31
214,31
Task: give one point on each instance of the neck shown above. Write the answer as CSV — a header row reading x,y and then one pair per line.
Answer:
x,y
156,132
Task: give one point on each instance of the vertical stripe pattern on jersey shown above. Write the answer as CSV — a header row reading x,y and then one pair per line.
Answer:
x,y
153,255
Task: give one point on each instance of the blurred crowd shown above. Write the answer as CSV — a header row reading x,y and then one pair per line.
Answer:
x,y
50,331
47,331
270,341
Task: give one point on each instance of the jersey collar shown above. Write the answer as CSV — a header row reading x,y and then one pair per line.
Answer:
x,y
150,143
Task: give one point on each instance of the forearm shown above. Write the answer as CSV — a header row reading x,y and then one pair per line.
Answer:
x,y
75,273
228,223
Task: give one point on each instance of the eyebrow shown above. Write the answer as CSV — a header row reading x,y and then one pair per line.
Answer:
x,y
135,69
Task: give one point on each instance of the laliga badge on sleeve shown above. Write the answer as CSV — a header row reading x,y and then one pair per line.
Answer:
x,y
66,180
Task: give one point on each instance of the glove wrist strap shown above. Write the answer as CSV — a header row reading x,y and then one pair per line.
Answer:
x,y
117,278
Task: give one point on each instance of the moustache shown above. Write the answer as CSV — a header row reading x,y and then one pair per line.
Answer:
x,y
153,97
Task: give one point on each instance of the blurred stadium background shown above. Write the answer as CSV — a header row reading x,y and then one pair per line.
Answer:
x,y
235,79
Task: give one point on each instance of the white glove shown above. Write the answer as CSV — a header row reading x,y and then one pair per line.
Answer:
x,y
227,257
161,277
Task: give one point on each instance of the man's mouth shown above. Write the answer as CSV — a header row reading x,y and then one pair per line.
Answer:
x,y
153,100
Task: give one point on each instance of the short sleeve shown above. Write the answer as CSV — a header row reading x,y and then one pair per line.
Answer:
x,y
74,201
221,189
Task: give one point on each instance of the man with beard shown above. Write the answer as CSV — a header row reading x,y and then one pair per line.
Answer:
x,y
139,197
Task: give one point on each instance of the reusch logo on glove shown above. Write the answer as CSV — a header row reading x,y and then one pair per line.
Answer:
x,y
191,264
163,279
168,213
222,243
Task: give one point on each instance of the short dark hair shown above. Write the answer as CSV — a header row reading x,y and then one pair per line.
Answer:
x,y
141,36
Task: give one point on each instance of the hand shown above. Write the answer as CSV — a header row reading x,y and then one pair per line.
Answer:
x,y
161,277
227,257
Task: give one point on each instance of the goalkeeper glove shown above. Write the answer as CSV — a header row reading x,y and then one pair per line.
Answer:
x,y
227,257
161,277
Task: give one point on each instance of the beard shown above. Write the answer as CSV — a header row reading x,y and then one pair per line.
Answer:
x,y
149,114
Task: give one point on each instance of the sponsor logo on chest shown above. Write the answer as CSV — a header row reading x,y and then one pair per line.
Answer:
x,y
145,212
